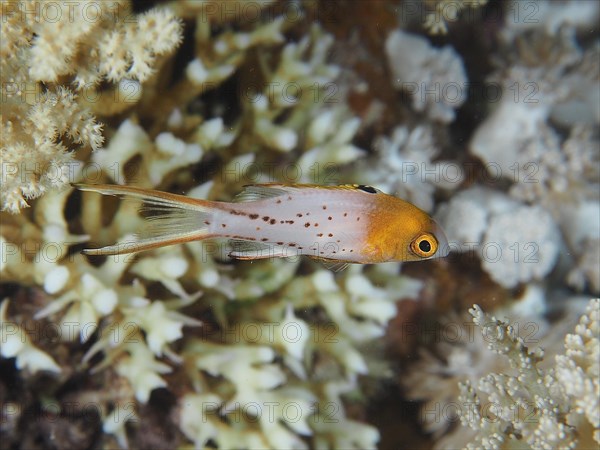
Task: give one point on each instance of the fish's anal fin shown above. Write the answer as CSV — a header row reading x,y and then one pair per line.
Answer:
x,y
138,244
248,250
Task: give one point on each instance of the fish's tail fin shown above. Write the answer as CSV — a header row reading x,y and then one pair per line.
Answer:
x,y
172,219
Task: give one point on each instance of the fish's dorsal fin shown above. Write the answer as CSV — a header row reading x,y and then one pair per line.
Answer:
x,y
254,192
242,249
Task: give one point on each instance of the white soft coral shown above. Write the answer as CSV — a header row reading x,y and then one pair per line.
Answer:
x,y
434,78
516,243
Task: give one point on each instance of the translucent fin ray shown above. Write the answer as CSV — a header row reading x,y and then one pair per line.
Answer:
x,y
254,192
331,264
255,250
173,219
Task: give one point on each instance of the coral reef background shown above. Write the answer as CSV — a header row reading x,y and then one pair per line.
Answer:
x,y
484,114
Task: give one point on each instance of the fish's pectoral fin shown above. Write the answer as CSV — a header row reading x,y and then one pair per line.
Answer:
x,y
335,265
242,249
171,219
254,192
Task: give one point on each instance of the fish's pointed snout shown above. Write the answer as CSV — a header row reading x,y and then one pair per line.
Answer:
x,y
443,245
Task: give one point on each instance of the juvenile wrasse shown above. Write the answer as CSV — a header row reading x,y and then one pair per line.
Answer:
x,y
338,224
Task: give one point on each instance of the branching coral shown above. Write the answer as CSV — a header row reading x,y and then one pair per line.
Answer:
x,y
270,353
125,51
299,69
240,384
578,372
540,408
17,344
329,144
135,314
482,372
34,158
54,57
277,109
443,12
460,353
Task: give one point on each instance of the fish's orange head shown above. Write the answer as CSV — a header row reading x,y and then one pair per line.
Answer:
x,y
407,233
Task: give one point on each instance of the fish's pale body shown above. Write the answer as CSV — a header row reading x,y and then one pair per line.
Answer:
x,y
339,224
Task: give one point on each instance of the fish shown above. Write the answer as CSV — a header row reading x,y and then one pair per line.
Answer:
x,y
339,225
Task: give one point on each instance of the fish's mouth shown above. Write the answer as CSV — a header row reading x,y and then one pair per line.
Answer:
x,y
443,246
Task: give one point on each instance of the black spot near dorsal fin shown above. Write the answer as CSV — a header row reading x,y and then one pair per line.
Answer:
x,y
369,189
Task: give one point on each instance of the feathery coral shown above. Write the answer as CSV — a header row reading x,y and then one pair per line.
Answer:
x,y
535,406
53,58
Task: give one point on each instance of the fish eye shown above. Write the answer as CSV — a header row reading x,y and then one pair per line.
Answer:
x,y
424,246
